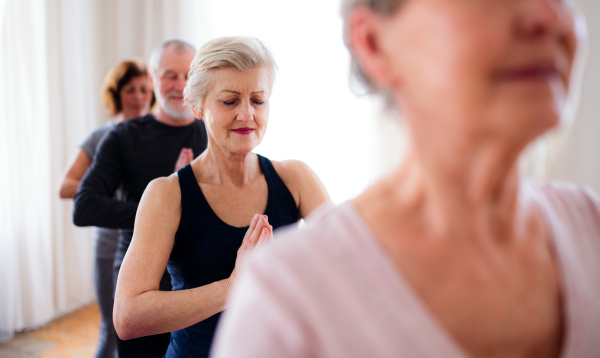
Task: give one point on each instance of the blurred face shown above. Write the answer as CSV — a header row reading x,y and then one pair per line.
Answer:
x,y
136,97
169,81
236,109
485,67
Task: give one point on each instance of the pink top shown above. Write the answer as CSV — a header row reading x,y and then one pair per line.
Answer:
x,y
330,290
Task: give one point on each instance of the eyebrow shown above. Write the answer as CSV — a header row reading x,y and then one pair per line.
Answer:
x,y
238,93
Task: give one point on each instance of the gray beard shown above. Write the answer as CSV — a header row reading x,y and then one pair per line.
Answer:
x,y
184,112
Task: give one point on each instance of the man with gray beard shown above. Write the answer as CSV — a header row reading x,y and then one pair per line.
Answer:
x,y
134,153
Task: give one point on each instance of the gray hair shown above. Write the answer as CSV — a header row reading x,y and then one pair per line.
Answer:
x,y
241,52
357,74
156,55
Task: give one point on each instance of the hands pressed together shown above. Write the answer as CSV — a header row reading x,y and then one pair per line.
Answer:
x,y
186,155
259,233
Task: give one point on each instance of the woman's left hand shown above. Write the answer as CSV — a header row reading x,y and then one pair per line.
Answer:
x,y
258,234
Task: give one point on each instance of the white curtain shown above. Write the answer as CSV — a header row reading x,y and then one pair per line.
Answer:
x,y
53,57
27,252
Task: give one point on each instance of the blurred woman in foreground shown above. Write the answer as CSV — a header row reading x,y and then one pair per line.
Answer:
x,y
453,254
126,93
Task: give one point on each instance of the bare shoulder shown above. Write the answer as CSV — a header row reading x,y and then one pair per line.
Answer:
x,y
296,175
291,169
164,190
306,187
160,207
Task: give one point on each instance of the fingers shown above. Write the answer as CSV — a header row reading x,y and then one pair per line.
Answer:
x,y
262,222
271,232
259,231
188,155
252,226
181,153
265,236
270,228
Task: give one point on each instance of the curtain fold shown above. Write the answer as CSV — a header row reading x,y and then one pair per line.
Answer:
x,y
26,261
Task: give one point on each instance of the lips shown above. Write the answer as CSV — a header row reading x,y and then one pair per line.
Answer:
x,y
535,71
243,131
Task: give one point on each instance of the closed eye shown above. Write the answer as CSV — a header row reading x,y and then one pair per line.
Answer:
x,y
230,103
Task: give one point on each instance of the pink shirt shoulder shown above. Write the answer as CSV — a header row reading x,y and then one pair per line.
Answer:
x,y
329,290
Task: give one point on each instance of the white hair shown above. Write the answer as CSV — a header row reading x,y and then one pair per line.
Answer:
x,y
241,52
156,55
357,74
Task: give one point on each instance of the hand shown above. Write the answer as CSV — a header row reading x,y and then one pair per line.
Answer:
x,y
258,234
185,156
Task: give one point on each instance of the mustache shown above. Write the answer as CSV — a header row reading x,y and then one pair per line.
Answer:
x,y
173,94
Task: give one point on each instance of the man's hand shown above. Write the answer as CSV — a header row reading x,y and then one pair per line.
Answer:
x,y
185,156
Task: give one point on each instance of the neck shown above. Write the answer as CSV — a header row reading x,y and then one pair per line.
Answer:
x,y
119,118
164,118
465,191
223,167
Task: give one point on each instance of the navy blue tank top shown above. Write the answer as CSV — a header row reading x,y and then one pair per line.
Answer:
x,y
206,249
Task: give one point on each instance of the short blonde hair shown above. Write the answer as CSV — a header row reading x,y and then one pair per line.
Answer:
x,y
383,7
241,52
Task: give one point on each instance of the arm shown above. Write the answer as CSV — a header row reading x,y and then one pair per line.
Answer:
x,y
94,202
140,308
77,167
306,187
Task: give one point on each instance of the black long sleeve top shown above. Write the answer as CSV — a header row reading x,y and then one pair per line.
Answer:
x,y
131,155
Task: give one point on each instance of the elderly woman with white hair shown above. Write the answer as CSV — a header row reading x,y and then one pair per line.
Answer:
x,y
202,222
454,253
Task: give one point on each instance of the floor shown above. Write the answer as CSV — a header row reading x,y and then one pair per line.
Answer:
x,y
72,336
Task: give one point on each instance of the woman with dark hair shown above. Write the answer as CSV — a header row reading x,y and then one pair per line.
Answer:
x,y
127,94
454,253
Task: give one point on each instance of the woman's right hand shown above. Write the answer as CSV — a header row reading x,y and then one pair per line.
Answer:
x,y
259,233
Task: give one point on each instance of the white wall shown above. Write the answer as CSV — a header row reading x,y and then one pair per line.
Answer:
x,y
579,157
314,116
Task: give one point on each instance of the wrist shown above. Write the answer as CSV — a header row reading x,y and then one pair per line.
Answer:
x,y
229,282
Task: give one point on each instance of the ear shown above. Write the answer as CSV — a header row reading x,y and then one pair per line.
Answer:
x,y
366,31
151,80
198,113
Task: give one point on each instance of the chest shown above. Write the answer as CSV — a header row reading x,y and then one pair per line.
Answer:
x,y
505,305
234,205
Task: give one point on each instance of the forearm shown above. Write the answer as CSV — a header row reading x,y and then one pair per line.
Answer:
x,y
94,209
155,312
68,188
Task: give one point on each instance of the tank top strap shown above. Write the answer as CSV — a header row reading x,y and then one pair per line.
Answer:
x,y
280,196
187,180
192,198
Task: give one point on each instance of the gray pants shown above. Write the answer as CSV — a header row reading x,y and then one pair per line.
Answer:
x,y
103,277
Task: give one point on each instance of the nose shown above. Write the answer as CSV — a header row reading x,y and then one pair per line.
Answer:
x,y
542,18
245,113
180,83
